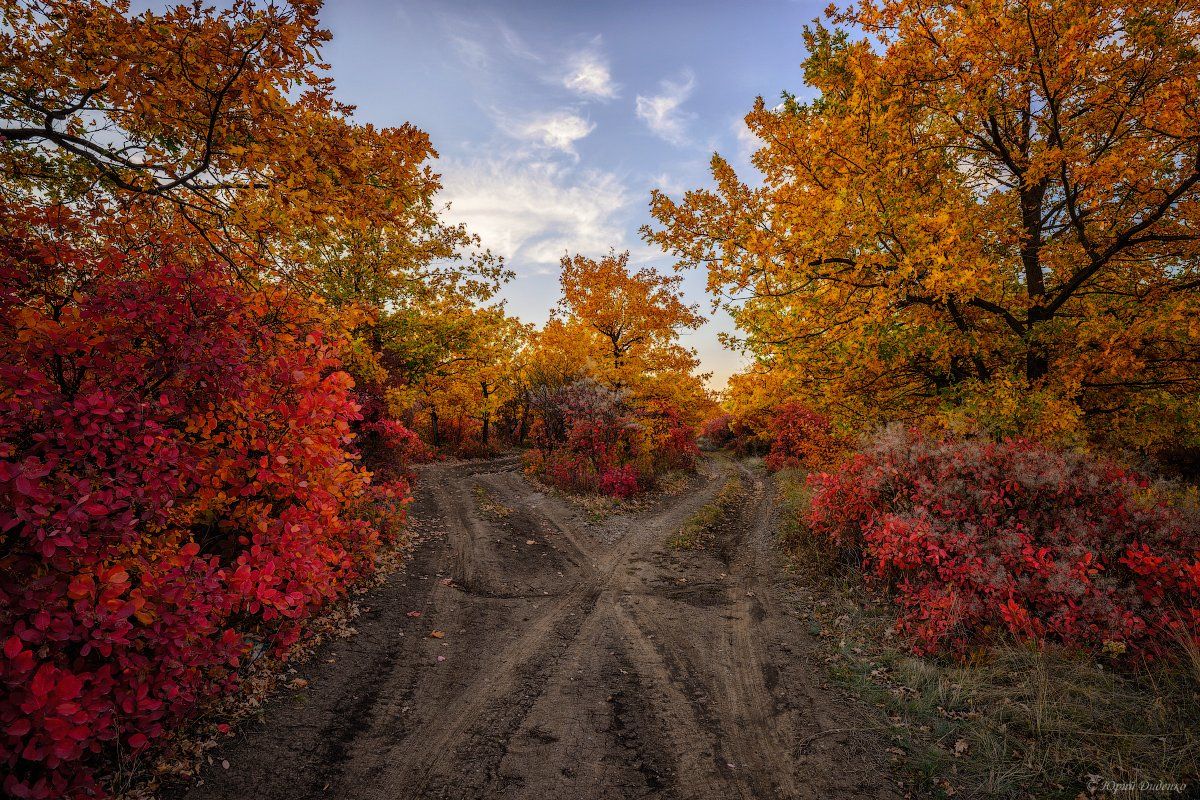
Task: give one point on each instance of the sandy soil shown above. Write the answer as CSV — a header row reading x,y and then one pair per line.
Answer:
x,y
580,658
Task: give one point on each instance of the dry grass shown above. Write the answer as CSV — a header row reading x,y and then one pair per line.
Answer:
x,y
697,532
1015,721
487,503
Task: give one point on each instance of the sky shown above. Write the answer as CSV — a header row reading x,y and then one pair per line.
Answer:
x,y
554,120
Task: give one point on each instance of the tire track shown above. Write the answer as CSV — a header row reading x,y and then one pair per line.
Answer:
x,y
575,658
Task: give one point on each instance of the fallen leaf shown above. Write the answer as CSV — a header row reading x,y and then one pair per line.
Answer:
x,y
961,747
530,541
437,634
414,613
298,683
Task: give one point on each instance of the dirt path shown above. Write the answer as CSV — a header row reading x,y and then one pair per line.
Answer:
x,y
592,663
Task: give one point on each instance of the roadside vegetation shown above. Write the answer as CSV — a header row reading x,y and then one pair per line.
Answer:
x,y
232,323
1013,719
962,273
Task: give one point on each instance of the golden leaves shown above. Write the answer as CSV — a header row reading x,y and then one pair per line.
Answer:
x,y
992,215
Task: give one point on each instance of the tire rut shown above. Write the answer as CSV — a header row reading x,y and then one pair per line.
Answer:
x,y
576,658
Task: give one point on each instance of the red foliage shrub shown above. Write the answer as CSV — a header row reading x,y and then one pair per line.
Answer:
x,y
620,481
976,537
390,450
177,486
716,432
801,439
587,439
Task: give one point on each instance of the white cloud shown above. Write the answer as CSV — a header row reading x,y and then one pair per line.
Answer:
x,y
662,112
532,211
558,130
471,52
588,75
747,141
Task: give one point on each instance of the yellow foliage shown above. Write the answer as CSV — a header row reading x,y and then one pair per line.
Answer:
x,y
989,215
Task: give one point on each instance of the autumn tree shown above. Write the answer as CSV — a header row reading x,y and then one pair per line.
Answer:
x,y
219,123
496,362
988,211
636,316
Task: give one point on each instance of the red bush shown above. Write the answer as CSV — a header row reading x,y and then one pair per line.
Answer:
x,y
176,486
620,481
390,450
801,439
587,439
716,432
975,537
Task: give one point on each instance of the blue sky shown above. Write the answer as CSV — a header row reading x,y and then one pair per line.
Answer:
x,y
555,120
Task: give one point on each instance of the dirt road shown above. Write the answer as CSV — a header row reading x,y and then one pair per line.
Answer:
x,y
580,658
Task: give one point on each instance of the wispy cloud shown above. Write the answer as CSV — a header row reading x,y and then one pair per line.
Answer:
x,y
588,74
747,141
557,130
531,211
663,112
471,52
515,44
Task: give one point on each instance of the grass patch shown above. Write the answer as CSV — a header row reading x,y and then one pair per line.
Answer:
x,y
698,532
487,503
1015,721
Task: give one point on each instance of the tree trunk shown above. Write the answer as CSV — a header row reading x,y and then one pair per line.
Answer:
x,y
1037,360
487,416
523,424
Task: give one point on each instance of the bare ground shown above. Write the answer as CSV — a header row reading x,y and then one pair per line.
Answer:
x,y
593,663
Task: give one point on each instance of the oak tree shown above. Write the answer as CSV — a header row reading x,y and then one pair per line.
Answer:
x,y
988,212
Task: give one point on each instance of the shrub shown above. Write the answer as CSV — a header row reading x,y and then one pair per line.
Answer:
x,y
716,432
800,439
177,486
975,537
588,439
619,481
390,450
745,436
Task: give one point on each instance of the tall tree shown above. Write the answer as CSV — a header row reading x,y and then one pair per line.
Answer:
x,y
636,316
990,210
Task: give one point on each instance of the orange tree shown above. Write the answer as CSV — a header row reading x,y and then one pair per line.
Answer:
x,y
988,213
634,317
217,122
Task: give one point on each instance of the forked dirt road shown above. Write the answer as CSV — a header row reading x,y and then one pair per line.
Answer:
x,y
595,662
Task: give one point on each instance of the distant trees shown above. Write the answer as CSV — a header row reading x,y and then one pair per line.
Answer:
x,y
637,314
